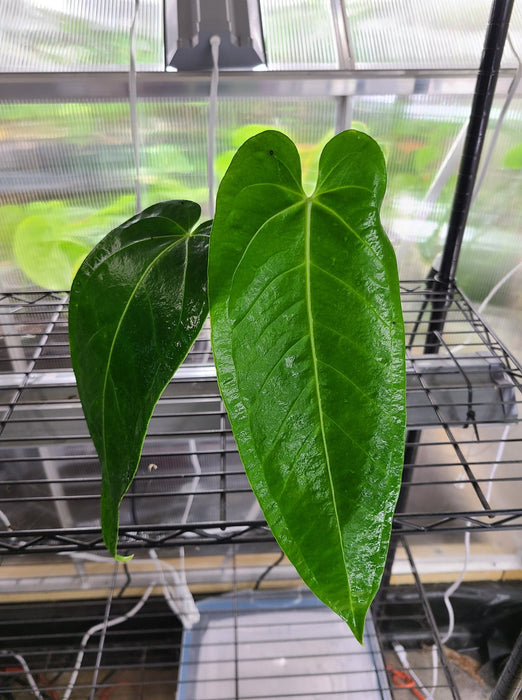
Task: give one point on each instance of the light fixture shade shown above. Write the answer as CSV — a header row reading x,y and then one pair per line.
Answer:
x,y
189,24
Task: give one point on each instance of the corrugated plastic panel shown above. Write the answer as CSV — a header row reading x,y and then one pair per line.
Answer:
x,y
79,35
427,34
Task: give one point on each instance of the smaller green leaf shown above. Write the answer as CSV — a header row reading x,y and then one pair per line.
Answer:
x,y
137,304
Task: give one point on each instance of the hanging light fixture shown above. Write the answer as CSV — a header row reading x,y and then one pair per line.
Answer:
x,y
189,24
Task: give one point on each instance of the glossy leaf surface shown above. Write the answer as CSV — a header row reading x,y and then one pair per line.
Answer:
x,y
137,304
308,340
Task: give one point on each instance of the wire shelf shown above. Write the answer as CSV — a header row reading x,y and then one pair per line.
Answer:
x,y
257,634
463,446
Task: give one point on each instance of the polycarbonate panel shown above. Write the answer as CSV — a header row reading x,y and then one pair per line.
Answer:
x,y
427,34
68,170
299,34
491,253
416,133
174,140
66,179
173,150
79,35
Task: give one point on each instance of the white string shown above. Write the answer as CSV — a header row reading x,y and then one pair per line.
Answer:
x,y
133,98
451,590
179,599
215,41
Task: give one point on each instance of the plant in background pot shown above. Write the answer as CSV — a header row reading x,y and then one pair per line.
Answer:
x,y
308,342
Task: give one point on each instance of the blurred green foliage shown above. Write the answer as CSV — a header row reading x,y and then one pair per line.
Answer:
x,y
46,229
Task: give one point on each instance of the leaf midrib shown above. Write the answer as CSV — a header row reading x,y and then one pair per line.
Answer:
x,y
166,250
308,216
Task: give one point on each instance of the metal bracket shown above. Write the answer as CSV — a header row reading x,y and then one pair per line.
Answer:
x,y
189,24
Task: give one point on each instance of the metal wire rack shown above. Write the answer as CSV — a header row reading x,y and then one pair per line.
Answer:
x,y
463,408
263,635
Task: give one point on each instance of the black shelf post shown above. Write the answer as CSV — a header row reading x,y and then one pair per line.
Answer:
x,y
480,110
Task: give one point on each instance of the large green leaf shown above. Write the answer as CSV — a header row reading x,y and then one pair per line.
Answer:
x,y
137,305
308,340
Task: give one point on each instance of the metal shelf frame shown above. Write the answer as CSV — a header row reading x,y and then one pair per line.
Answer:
x,y
149,654
463,409
464,397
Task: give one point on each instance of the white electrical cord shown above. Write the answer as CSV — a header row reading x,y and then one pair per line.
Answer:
x,y
403,658
451,614
179,599
498,457
98,628
28,674
133,99
452,589
215,42
467,540
5,520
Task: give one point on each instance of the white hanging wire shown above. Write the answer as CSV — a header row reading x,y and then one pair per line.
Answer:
x,y
98,628
28,674
133,99
177,596
452,589
103,634
498,285
451,160
498,457
215,42
486,301
451,614
403,658
467,540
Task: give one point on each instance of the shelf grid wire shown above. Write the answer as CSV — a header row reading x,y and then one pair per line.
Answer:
x,y
463,408
261,635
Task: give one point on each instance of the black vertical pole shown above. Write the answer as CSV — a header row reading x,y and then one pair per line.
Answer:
x,y
480,109
494,42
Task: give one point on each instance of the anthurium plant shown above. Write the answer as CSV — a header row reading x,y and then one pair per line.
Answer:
x,y
308,343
